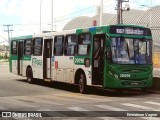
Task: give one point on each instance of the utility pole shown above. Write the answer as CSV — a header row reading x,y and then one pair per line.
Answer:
x,y
120,10
51,15
40,15
8,30
101,13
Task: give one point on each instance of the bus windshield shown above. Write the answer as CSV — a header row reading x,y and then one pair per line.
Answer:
x,y
131,51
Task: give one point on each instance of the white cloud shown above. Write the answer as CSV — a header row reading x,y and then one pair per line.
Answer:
x,y
29,11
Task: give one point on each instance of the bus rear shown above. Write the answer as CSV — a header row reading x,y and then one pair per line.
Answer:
x,y
128,61
20,54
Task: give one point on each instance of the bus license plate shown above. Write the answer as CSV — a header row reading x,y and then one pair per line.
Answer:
x,y
134,83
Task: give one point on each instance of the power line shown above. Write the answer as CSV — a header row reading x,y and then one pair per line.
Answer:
x,y
8,30
75,12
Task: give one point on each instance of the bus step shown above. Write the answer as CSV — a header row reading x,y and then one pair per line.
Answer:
x,y
47,80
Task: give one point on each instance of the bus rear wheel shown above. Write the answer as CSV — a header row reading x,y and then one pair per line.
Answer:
x,y
29,76
82,84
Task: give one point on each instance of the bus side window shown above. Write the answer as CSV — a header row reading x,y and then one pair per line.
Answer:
x,y
58,45
70,45
28,47
84,41
37,46
14,47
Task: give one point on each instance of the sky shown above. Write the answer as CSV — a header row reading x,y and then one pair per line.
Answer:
x,y
24,15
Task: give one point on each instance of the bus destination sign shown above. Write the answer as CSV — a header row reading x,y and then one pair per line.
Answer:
x,y
129,30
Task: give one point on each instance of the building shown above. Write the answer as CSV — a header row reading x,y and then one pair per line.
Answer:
x,y
4,51
149,18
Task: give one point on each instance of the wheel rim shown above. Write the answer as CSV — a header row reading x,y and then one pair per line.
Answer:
x,y
29,76
29,79
80,85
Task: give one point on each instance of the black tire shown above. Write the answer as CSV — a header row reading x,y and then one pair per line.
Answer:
x,y
82,83
29,76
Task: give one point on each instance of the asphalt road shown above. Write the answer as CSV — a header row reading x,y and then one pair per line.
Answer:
x,y
17,95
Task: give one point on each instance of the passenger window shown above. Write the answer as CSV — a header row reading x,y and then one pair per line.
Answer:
x,y
14,48
37,46
70,45
58,45
27,47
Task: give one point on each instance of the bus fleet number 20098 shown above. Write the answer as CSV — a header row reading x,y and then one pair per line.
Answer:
x,y
79,60
124,75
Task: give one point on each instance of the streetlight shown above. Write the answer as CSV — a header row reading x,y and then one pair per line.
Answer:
x,y
40,16
41,13
51,15
150,13
101,12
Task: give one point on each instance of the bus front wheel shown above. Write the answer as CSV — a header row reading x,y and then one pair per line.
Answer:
x,y
29,76
82,84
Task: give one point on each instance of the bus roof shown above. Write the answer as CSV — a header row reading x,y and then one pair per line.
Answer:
x,y
22,37
129,25
50,34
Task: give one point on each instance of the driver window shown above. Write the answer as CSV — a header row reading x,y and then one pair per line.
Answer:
x,y
84,41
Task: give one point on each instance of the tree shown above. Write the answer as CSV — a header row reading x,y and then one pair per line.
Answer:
x,y
5,55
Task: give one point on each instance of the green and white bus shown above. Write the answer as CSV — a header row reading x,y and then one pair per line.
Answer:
x,y
114,56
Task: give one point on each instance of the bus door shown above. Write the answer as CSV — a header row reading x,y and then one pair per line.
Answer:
x,y
47,58
98,59
20,58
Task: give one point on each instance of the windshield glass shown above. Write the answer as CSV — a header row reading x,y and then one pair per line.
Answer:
x,y
131,51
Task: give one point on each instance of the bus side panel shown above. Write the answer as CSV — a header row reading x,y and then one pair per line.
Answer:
x,y
59,68
69,72
88,77
69,75
37,67
26,63
62,69
53,73
14,67
13,64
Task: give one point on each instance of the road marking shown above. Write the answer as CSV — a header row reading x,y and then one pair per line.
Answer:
x,y
15,102
37,100
44,110
66,99
153,103
83,110
78,109
150,118
139,106
92,113
82,97
109,118
110,108
3,108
